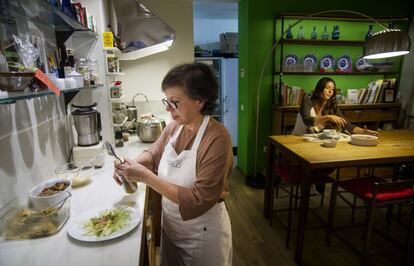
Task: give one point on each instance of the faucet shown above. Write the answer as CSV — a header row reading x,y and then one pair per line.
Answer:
x,y
139,93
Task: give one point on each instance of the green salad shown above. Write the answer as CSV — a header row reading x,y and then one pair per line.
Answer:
x,y
107,222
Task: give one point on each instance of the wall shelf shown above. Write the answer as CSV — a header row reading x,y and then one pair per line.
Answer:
x,y
12,97
324,42
336,73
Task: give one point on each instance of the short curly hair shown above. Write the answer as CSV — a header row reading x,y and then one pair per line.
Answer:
x,y
199,83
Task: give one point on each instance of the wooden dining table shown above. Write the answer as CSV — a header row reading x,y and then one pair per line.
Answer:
x,y
394,147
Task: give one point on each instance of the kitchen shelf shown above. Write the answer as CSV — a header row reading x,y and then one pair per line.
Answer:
x,y
120,124
115,73
324,42
12,97
335,73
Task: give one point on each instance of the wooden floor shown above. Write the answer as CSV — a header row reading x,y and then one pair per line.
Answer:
x,y
256,243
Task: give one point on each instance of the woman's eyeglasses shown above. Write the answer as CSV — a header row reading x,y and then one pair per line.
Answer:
x,y
171,104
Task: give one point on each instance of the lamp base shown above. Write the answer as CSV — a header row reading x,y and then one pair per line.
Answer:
x,y
255,180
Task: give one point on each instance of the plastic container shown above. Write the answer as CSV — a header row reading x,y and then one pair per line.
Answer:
x,y
83,69
93,71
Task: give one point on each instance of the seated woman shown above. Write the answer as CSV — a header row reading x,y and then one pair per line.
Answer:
x,y
319,111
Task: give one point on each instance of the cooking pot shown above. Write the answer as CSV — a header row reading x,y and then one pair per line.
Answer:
x,y
150,128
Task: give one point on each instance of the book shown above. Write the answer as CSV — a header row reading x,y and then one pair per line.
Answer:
x,y
352,96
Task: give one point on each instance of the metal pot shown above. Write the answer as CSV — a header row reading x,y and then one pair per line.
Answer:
x,y
149,129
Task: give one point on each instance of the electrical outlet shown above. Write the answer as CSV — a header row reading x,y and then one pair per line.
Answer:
x,y
241,107
242,72
264,148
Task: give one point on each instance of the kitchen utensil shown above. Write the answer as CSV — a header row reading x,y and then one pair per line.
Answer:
x,y
88,124
130,187
150,128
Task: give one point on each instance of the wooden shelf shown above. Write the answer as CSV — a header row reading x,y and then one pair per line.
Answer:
x,y
336,73
324,42
342,106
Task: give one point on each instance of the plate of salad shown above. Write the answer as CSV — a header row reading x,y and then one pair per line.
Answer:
x,y
102,224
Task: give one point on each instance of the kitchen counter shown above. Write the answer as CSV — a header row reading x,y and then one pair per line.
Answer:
x,y
61,249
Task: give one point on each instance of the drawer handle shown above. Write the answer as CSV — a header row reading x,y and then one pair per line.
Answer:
x,y
358,111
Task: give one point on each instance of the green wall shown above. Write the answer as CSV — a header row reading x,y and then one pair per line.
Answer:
x,y
256,35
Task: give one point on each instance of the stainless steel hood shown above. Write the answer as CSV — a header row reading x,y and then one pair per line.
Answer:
x,y
142,31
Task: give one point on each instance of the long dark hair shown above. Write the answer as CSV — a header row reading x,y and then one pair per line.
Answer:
x,y
317,99
198,81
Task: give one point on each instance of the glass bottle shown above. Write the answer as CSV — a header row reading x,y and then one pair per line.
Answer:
x,y
369,33
325,34
289,34
314,34
301,35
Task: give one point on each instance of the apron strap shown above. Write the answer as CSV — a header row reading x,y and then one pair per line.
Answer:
x,y
175,136
200,132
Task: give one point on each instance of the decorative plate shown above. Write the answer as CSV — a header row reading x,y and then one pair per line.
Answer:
x,y
309,59
361,64
291,59
327,63
344,64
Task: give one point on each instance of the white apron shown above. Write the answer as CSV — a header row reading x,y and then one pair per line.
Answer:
x,y
205,240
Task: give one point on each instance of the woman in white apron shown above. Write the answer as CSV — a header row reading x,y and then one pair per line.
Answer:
x,y
193,159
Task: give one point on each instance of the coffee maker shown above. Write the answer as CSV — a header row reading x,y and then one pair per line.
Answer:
x,y
87,121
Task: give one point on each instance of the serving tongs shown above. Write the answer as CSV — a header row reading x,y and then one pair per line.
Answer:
x,y
130,187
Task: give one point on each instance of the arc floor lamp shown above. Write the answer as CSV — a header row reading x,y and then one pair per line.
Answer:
x,y
382,44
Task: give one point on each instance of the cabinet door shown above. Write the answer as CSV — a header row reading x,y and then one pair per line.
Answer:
x,y
229,90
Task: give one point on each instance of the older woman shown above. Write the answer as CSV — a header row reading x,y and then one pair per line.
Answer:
x,y
319,111
192,159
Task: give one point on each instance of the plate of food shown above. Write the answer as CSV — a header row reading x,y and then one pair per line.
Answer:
x,y
103,224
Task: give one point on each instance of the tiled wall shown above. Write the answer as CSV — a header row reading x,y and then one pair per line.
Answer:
x,y
35,137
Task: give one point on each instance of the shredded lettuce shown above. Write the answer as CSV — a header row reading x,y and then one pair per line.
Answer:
x,y
107,222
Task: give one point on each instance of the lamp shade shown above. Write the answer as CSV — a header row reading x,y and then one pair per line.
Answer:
x,y
387,43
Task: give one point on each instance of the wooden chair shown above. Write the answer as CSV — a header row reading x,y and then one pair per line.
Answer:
x,y
292,176
376,192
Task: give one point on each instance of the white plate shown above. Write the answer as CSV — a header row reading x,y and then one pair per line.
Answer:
x,y
364,140
75,227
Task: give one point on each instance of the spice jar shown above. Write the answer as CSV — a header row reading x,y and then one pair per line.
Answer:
x,y
118,139
113,63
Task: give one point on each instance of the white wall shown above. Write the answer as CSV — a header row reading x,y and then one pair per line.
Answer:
x,y
145,75
207,31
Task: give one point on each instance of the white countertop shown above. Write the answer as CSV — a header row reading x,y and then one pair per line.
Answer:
x,y
61,249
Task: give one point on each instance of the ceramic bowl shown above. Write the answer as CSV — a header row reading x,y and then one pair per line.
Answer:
x,y
50,193
364,140
329,143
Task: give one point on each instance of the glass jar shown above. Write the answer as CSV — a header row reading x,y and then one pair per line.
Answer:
x,y
113,63
83,69
93,71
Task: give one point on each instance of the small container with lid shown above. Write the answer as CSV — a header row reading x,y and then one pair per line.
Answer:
x,y
83,69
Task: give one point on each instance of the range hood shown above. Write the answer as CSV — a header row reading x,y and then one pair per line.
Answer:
x,y
142,31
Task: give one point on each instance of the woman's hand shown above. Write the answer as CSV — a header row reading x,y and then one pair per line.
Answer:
x,y
132,170
365,131
320,121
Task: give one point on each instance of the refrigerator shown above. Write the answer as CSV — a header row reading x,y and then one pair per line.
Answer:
x,y
226,70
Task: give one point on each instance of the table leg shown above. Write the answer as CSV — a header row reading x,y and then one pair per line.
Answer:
x,y
303,214
270,160
332,206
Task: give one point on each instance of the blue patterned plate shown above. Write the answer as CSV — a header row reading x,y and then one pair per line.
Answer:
x,y
291,59
344,64
327,63
310,59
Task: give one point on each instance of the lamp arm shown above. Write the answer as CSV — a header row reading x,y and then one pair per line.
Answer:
x,y
259,86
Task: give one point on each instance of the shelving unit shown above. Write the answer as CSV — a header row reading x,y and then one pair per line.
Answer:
x,y
352,38
57,29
